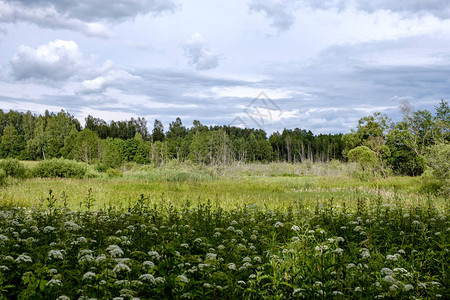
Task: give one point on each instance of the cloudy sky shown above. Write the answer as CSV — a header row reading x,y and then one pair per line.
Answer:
x,y
273,64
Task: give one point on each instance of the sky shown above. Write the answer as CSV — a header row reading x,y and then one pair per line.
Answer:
x,y
268,64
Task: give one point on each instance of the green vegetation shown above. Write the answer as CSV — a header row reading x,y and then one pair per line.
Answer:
x,y
222,212
373,248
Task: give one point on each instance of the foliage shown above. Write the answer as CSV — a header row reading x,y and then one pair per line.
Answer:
x,y
438,160
3,177
13,168
378,250
58,167
365,157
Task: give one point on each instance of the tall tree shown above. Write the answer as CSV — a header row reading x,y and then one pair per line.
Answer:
x,y
158,131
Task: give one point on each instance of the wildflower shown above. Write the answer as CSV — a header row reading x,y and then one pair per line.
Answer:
x,y
350,266
257,259
408,287
89,276
147,278
114,251
86,259
278,225
183,278
231,266
148,264
120,267
184,245
4,268
358,289
48,229
54,282
71,226
365,253
246,259
3,238
393,287
159,280
154,255
8,258
389,279
23,258
358,228
241,282
392,257
100,258
295,228
211,256
53,271
55,254
63,297
339,251
297,292
386,271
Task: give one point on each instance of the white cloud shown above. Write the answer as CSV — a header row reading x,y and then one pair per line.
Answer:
x,y
196,50
57,60
251,92
112,78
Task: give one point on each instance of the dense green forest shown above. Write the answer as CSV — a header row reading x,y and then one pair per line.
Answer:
x,y
386,146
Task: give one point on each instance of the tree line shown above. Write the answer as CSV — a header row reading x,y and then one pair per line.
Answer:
x,y
398,147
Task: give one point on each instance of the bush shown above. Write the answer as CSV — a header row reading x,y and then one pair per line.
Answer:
x,y
365,157
114,173
91,173
58,167
438,160
13,168
2,177
102,168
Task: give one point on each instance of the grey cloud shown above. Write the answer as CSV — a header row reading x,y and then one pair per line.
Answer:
x,y
99,10
196,50
438,8
341,78
84,16
280,12
58,60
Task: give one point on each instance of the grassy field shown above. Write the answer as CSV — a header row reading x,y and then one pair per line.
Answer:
x,y
277,231
276,192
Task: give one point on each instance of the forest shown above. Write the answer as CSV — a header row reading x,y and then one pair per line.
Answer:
x,y
394,147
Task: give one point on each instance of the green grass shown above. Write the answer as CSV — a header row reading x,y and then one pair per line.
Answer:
x,y
276,231
272,192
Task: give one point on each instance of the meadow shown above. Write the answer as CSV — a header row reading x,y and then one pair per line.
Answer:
x,y
260,231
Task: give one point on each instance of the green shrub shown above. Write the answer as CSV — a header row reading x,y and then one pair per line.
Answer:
x,y
101,167
438,160
91,173
2,177
431,186
58,167
13,168
114,173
